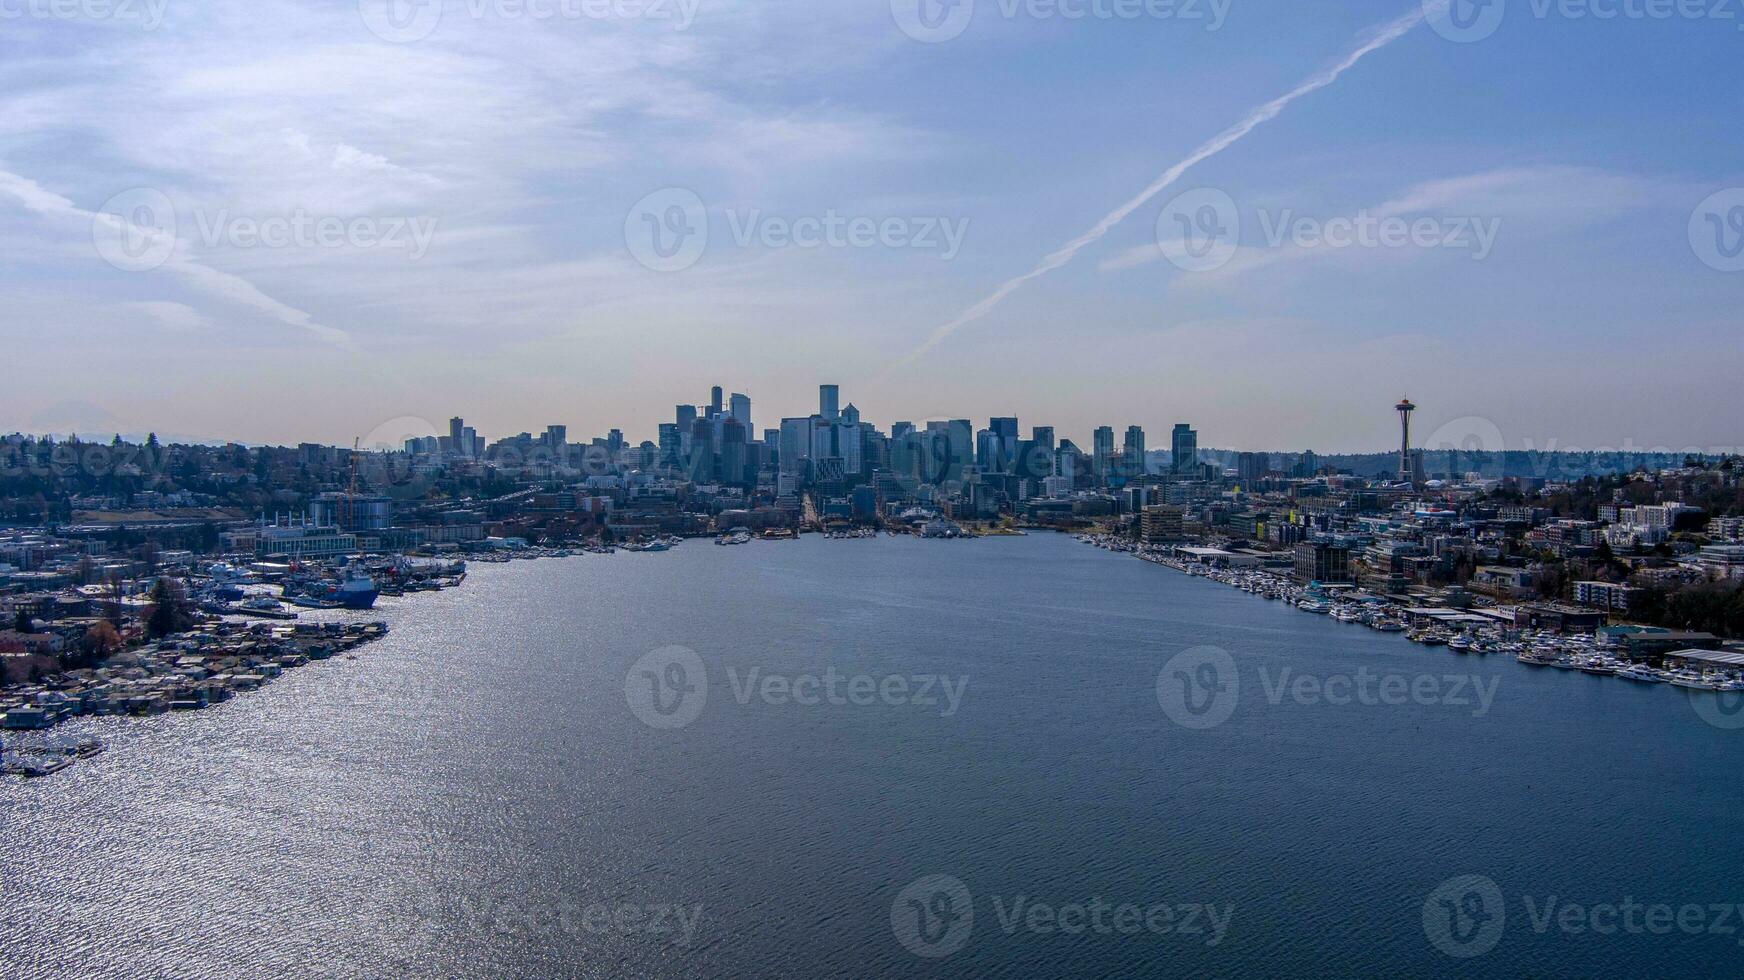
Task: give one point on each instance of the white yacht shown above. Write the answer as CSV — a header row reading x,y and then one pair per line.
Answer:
x,y
1642,673
1693,679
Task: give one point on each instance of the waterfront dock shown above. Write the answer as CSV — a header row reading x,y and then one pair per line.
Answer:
x,y
1654,656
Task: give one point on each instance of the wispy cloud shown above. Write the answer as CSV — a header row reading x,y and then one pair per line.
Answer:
x,y
1522,201
174,316
1271,110
213,282
529,138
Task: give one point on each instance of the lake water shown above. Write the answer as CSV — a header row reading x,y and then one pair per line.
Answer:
x,y
886,758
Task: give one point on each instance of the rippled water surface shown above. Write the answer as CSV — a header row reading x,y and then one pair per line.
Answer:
x,y
474,795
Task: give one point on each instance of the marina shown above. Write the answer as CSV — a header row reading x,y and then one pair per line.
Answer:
x,y
228,654
507,737
579,489
1600,653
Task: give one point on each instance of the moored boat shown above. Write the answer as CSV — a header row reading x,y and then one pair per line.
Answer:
x,y
1693,680
1642,673
33,765
356,588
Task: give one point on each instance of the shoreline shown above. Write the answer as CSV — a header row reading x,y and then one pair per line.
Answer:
x,y
1460,632
190,671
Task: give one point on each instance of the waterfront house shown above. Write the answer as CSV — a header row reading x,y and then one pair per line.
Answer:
x,y
30,717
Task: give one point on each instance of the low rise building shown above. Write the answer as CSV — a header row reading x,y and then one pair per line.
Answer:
x,y
1604,595
1162,522
1505,581
1320,561
1722,560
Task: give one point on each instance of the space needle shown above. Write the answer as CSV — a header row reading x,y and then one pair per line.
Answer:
x,y
1407,472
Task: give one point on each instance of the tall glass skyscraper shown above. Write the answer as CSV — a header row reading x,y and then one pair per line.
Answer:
x,y
1101,449
1134,450
1184,448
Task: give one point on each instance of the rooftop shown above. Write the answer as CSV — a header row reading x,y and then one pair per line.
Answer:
x,y
1726,658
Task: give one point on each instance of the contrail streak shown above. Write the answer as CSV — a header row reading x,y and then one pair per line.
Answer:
x,y
1223,141
36,198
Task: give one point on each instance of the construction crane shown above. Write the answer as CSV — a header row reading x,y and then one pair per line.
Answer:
x,y
351,493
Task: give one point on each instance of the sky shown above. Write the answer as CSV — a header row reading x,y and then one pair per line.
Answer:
x,y
320,220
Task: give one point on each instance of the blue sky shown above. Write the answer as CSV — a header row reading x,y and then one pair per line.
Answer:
x,y
483,176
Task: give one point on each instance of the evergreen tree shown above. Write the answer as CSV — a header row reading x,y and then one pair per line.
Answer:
x,y
169,611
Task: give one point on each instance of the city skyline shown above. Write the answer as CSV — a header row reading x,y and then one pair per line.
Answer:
x,y
489,257
541,488
1464,432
